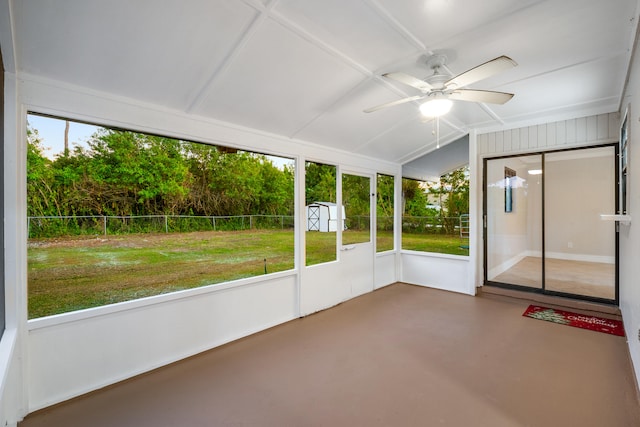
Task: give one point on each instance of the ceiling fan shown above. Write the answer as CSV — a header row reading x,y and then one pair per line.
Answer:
x,y
441,87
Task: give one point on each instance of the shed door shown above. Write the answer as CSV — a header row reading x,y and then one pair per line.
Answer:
x,y
313,218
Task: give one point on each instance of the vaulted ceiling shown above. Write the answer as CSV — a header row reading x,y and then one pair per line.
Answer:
x,y
306,69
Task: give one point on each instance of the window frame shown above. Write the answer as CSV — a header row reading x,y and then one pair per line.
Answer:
x,y
89,312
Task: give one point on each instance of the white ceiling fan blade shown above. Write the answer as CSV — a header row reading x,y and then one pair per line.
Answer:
x,y
481,72
409,80
392,103
487,96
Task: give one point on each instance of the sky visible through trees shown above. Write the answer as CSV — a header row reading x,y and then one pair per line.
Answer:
x,y
116,172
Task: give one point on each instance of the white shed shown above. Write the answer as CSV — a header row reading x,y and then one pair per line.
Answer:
x,y
323,216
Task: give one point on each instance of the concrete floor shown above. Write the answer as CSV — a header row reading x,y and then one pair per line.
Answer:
x,y
400,356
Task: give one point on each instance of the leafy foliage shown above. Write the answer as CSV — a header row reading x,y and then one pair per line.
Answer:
x,y
452,192
414,198
320,183
123,173
454,187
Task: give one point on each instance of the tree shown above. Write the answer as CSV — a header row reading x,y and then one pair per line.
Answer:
x,y
384,195
41,198
355,195
454,191
414,198
66,138
320,183
128,173
136,173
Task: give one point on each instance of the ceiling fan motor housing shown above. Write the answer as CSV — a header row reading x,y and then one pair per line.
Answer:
x,y
440,73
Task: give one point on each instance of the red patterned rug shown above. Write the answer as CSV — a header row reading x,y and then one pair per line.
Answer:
x,y
594,323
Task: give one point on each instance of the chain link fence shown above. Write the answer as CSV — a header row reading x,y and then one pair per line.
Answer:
x,y
58,226
451,225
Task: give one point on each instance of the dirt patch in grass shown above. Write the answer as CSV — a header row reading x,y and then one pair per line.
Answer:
x,y
75,273
67,274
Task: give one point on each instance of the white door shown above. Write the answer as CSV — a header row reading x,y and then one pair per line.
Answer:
x,y
357,249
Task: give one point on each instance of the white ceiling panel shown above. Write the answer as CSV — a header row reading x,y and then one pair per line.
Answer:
x,y
353,27
345,124
417,139
279,82
307,68
157,54
435,22
586,86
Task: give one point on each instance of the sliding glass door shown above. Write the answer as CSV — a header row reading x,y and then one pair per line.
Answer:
x,y
580,248
513,221
543,230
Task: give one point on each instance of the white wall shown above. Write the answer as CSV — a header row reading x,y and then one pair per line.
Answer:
x,y
76,353
53,359
385,269
572,133
630,234
439,271
13,391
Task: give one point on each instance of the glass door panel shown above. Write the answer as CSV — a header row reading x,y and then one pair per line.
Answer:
x,y
580,250
514,221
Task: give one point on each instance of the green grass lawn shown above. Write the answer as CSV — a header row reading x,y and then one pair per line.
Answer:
x,y
71,274
439,243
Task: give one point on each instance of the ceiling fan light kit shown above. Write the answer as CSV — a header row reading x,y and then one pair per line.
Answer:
x,y
436,107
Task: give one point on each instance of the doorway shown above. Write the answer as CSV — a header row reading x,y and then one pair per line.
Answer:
x,y
543,231
357,250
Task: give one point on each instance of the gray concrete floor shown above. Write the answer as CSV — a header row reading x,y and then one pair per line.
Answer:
x,y
400,356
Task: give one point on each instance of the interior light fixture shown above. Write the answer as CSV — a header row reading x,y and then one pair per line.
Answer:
x,y
535,172
436,107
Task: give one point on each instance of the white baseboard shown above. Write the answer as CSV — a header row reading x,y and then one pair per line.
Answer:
x,y
501,268
581,257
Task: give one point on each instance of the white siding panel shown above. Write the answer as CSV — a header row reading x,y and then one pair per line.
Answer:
x,y
533,137
572,131
508,135
491,143
603,127
499,142
592,128
614,126
581,129
524,139
482,143
548,136
551,134
516,142
561,133
542,136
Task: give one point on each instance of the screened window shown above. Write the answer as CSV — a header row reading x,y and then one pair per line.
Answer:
x,y
116,215
384,213
356,198
436,214
321,213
